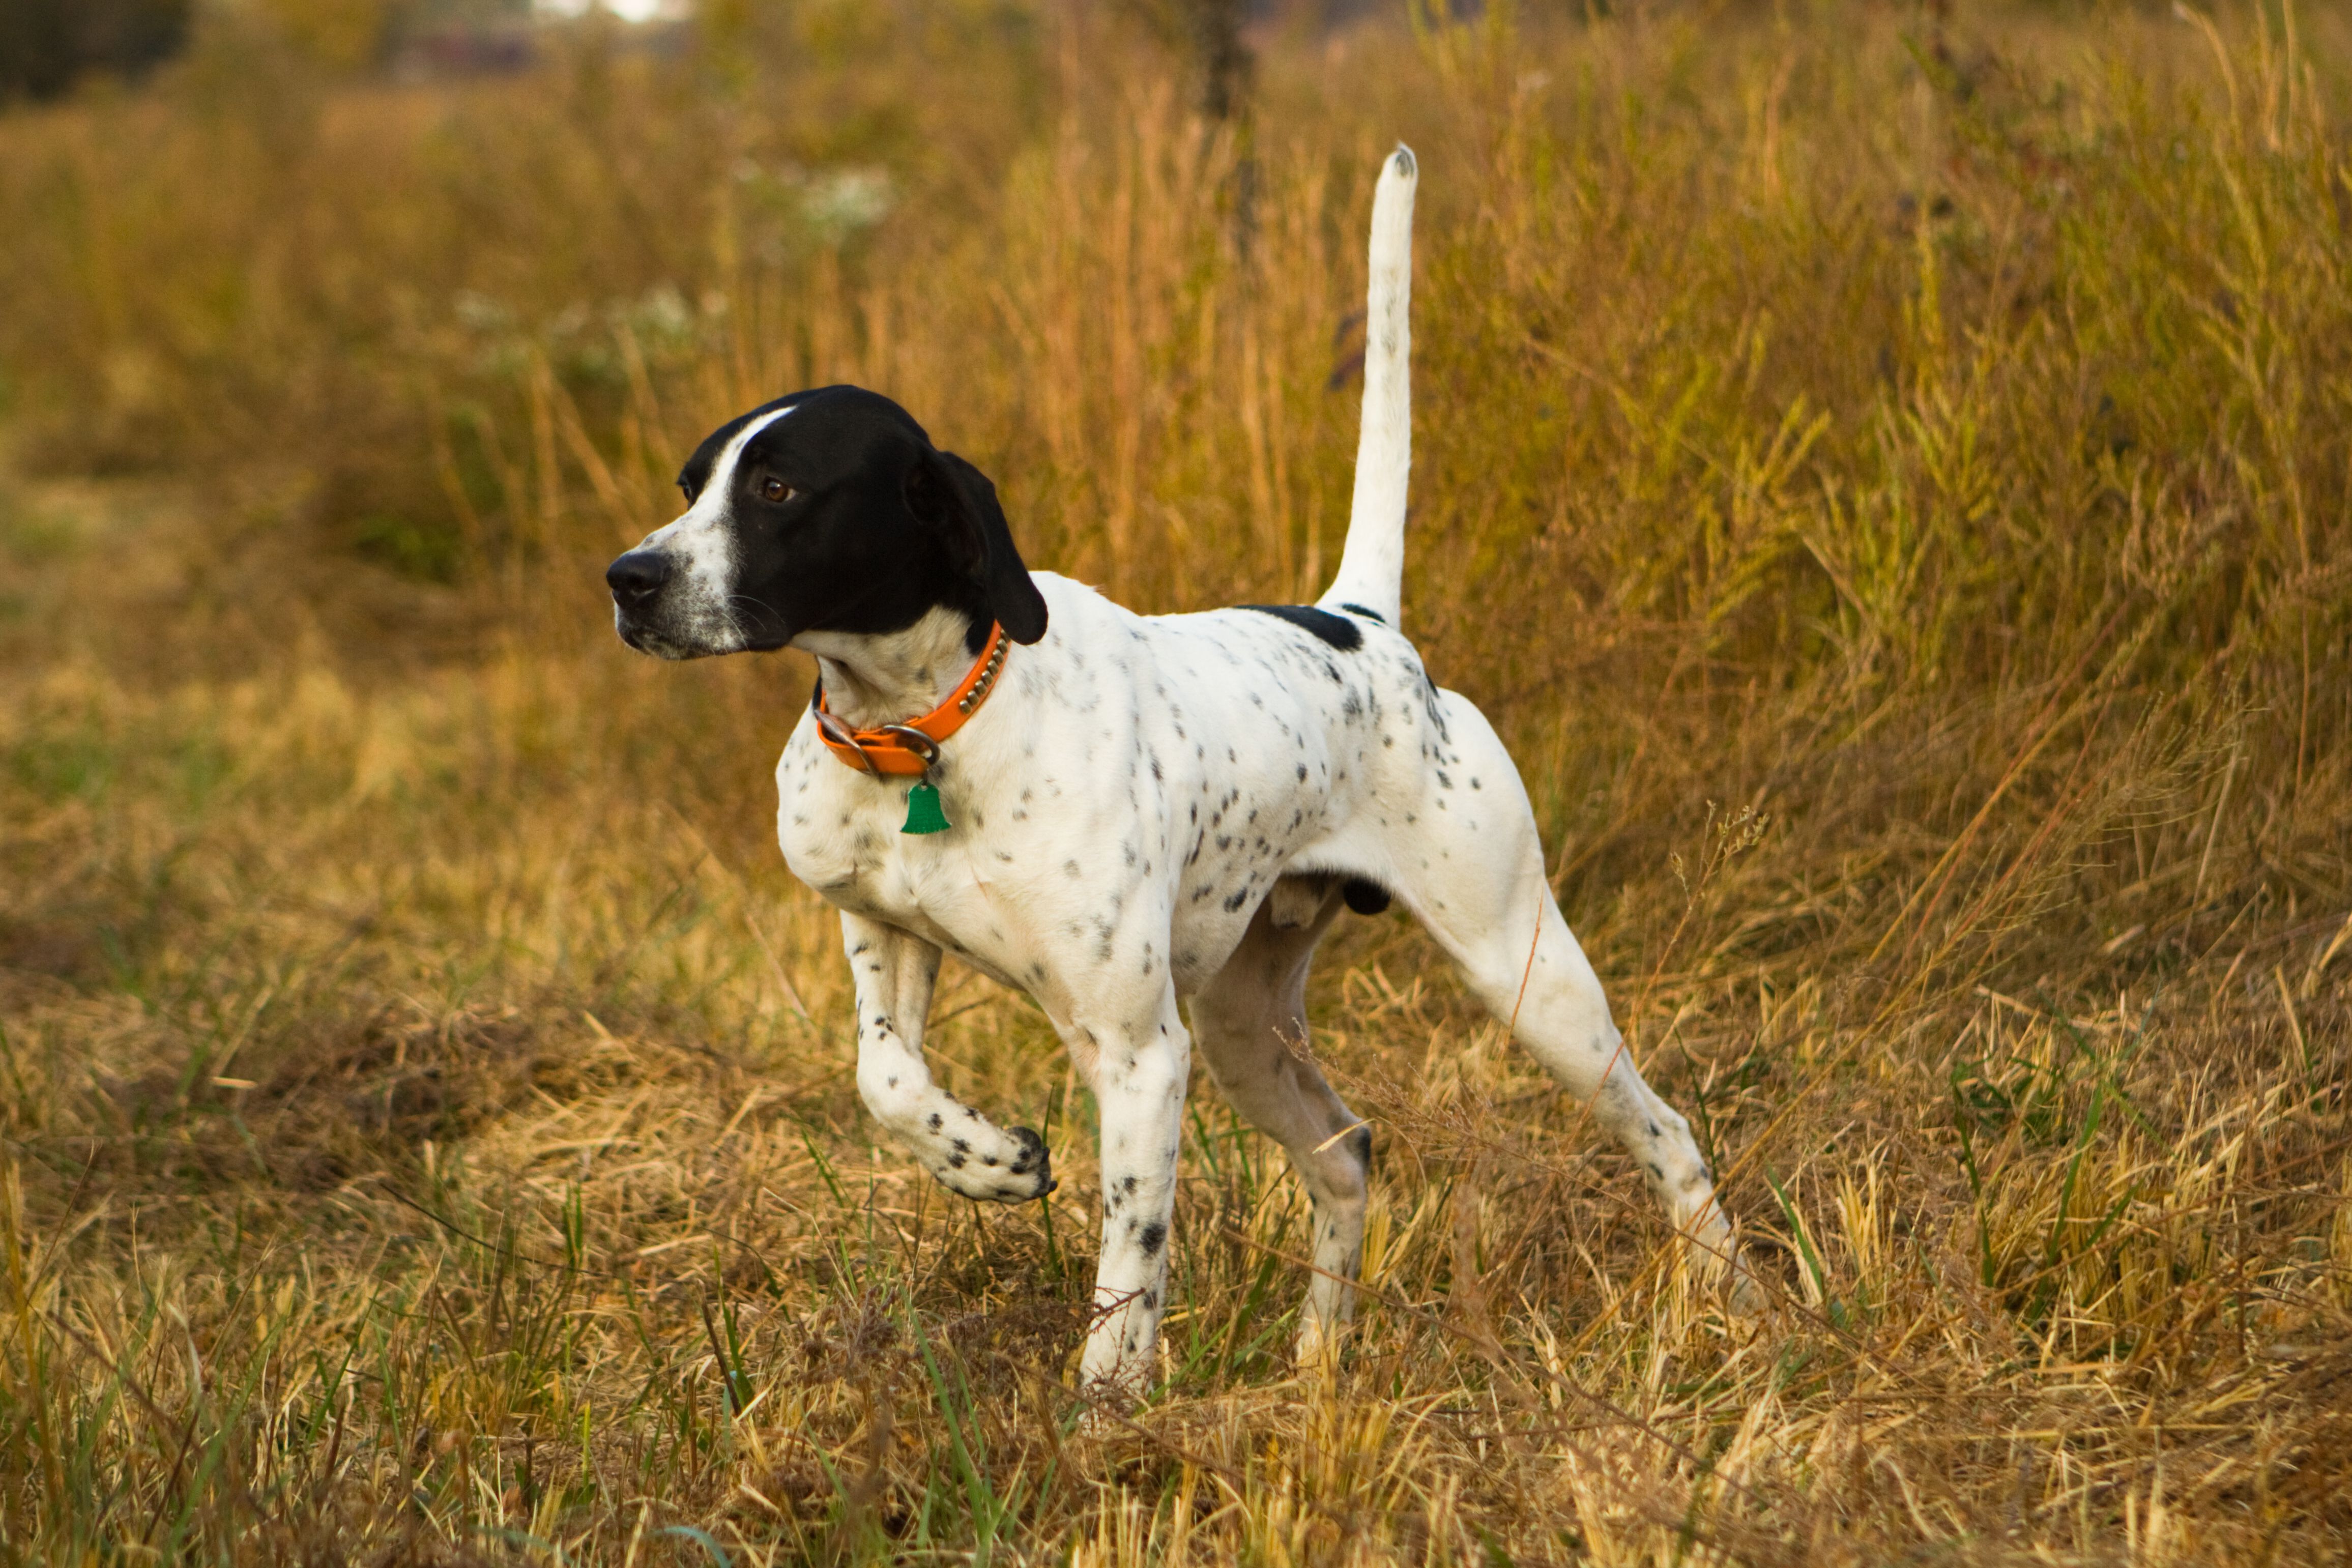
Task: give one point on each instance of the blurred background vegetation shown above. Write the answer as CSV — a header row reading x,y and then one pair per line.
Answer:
x,y
1883,466
46,45
50,48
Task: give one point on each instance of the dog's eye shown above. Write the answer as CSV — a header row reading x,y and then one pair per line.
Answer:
x,y
775,489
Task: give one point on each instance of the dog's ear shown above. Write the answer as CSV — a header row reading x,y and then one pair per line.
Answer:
x,y
957,500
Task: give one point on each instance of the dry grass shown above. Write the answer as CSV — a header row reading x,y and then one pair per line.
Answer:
x,y
1890,484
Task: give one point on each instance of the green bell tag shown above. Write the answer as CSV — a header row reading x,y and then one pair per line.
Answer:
x,y
923,812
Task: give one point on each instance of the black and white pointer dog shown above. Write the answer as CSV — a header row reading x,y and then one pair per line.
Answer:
x,y
1121,813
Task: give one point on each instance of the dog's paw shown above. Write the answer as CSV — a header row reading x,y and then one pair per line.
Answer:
x,y
1034,1162
1015,1172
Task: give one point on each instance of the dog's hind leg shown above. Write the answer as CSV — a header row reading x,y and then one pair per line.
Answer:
x,y
1469,864
1246,1020
893,974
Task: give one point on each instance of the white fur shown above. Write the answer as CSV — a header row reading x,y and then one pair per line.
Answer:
x,y
1124,805
1156,810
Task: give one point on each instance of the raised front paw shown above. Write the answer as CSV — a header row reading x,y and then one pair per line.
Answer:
x,y
1033,1161
1015,1171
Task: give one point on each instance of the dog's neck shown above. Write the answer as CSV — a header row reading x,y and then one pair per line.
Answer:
x,y
888,678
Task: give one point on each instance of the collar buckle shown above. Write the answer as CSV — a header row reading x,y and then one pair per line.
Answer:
x,y
914,739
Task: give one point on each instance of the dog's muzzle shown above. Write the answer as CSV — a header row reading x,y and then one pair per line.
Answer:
x,y
638,580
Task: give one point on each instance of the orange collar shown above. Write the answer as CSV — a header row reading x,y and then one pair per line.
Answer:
x,y
912,747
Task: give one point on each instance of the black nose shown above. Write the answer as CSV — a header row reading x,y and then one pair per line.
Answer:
x,y
637,577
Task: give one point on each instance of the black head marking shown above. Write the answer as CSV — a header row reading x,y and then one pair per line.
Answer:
x,y
842,516
961,503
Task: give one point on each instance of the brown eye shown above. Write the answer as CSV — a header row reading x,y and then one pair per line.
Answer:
x,y
775,489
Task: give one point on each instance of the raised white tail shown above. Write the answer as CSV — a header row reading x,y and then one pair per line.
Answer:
x,y
1372,563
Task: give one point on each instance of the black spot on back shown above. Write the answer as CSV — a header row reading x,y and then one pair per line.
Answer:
x,y
1368,614
1336,630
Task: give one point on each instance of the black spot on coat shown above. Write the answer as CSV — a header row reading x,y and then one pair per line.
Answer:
x,y
1336,630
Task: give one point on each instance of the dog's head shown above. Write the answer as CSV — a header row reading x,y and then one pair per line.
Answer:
x,y
826,511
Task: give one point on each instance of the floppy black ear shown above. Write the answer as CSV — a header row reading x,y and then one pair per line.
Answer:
x,y
979,538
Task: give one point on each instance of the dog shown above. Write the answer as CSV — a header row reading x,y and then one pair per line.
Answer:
x,y
1121,814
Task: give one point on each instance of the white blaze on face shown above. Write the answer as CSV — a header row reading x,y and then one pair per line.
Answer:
x,y
698,608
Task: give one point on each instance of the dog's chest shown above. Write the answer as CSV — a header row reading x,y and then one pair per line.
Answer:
x,y
843,833
971,889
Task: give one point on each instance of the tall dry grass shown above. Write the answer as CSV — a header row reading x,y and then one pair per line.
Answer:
x,y
1886,479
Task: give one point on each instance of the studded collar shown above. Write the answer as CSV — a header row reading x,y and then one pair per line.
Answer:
x,y
910,749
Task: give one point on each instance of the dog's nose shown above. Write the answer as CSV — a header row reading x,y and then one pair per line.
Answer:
x,y
637,577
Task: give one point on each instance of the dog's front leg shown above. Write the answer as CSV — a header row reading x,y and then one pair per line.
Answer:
x,y
893,974
1142,1060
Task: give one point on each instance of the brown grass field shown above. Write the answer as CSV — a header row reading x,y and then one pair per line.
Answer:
x,y
1888,474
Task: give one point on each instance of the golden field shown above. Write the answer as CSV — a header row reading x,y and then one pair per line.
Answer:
x,y
1888,474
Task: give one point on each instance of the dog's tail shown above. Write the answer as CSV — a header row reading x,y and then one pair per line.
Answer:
x,y
1371,565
